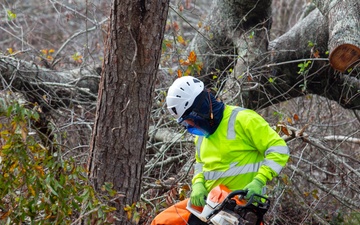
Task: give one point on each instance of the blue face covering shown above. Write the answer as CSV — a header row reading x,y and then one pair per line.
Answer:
x,y
197,131
197,121
205,115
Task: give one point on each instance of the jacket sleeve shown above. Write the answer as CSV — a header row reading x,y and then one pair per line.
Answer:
x,y
268,142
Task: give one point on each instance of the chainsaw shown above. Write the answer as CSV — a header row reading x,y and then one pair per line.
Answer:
x,y
224,207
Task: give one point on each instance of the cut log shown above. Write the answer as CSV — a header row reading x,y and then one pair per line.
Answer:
x,y
344,32
344,56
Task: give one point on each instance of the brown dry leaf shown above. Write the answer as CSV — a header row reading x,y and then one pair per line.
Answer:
x,y
110,218
192,57
169,200
317,54
296,117
175,26
5,215
184,62
249,78
179,73
186,187
283,129
23,134
173,193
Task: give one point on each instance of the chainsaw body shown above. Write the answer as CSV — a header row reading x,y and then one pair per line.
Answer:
x,y
224,207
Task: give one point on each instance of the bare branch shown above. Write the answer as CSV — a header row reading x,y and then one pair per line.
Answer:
x,y
350,202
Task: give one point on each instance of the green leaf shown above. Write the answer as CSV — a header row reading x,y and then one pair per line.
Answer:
x,y
272,80
10,15
52,190
252,34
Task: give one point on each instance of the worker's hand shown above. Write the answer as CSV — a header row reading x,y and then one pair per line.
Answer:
x,y
198,194
254,187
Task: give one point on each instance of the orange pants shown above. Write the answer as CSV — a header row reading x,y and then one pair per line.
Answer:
x,y
174,215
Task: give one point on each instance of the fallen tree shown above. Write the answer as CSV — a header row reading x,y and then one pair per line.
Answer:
x,y
265,71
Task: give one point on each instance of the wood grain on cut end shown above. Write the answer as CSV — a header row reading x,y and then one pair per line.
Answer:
x,y
344,56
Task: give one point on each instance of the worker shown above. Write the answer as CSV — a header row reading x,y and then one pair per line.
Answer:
x,y
235,146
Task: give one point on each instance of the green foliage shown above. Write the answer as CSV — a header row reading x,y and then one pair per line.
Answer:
x,y
304,68
10,15
77,57
311,44
279,115
251,36
35,186
272,80
352,218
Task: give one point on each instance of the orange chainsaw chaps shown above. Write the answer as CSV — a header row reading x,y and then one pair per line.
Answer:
x,y
176,214
219,193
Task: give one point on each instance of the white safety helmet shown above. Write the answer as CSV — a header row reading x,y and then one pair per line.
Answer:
x,y
182,93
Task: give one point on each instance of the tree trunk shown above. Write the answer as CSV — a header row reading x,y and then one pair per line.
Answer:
x,y
126,89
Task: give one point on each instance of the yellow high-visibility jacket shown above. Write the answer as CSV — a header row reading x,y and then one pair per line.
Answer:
x,y
243,146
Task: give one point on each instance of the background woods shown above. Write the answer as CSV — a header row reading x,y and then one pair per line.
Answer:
x,y
295,62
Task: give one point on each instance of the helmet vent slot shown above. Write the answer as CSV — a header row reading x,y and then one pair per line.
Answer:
x,y
174,110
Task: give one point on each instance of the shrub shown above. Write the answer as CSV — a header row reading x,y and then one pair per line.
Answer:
x,y
37,186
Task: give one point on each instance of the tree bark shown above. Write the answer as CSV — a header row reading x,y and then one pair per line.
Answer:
x,y
126,89
224,42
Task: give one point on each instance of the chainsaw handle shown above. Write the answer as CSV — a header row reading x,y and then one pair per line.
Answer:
x,y
261,201
242,193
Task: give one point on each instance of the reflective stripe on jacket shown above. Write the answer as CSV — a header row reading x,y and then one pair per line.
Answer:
x,y
242,147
